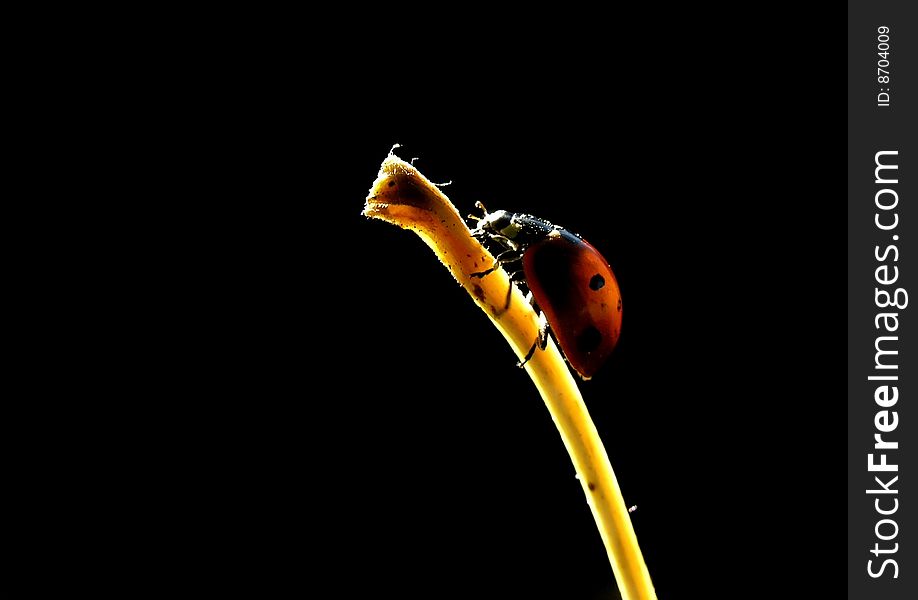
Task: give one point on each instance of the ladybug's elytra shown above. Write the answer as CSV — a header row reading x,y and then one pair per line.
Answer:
x,y
568,279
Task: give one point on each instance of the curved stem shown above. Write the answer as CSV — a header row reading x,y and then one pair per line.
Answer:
x,y
404,197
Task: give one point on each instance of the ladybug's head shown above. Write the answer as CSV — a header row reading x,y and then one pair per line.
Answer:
x,y
499,222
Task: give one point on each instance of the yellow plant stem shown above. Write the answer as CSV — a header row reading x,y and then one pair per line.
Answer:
x,y
404,197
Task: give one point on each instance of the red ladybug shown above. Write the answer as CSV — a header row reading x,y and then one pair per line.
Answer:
x,y
568,280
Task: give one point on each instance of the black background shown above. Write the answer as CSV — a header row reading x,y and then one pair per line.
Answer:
x,y
332,425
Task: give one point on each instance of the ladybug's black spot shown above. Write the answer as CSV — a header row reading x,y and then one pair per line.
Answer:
x,y
597,282
391,183
589,339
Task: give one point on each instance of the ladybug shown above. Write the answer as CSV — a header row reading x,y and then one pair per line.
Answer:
x,y
570,284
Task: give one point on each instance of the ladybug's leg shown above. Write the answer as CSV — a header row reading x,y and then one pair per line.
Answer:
x,y
541,340
500,239
515,277
508,256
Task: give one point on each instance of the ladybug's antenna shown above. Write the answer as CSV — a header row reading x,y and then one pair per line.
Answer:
x,y
480,207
